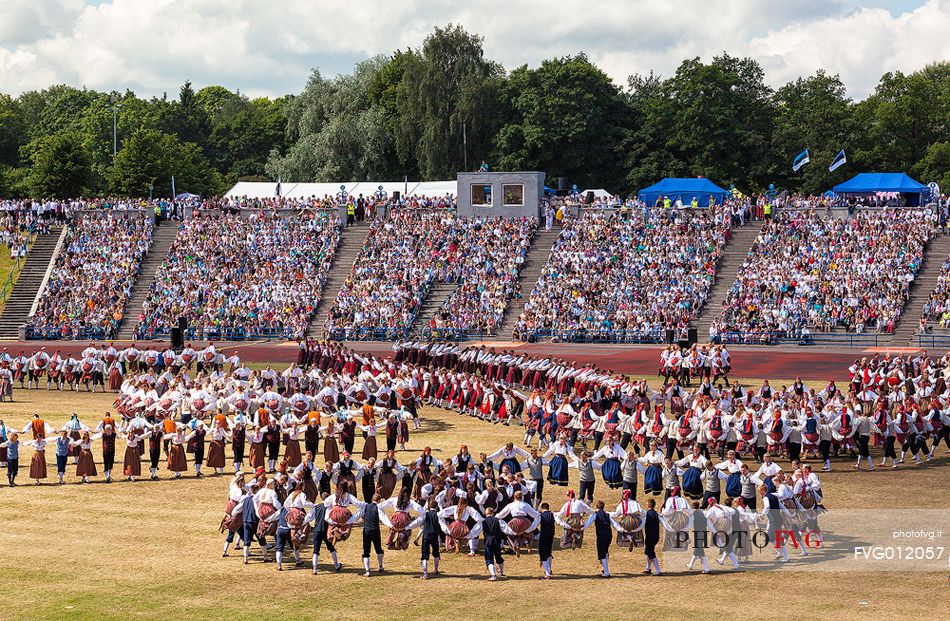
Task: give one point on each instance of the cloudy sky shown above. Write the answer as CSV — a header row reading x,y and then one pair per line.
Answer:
x,y
268,47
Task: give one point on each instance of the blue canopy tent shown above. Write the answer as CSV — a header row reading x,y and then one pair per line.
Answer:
x,y
872,183
684,190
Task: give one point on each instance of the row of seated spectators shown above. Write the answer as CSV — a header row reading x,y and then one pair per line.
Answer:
x,y
937,308
327,202
625,276
237,278
806,271
405,254
93,276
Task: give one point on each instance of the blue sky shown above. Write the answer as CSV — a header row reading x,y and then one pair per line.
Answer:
x,y
269,47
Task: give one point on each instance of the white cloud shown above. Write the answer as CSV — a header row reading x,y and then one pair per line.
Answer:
x,y
269,47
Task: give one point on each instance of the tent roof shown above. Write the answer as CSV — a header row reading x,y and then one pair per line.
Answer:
x,y
673,186
866,183
255,189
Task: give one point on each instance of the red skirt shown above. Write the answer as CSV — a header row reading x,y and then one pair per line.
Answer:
x,y
386,484
215,454
38,465
257,455
369,448
331,452
86,466
292,453
177,462
265,529
132,466
115,380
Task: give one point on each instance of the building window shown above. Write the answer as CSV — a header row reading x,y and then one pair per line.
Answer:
x,y
481,195
513,195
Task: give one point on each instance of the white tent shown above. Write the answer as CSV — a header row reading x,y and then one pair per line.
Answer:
x,y
253,189
598,193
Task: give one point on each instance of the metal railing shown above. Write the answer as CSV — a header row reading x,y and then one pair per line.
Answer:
x,y
933,341
7,287
232,333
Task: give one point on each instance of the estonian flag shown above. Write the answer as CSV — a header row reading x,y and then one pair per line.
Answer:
x,y
838,162
277,189
800,160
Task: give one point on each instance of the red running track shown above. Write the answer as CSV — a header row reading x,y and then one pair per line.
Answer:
x,y
747,362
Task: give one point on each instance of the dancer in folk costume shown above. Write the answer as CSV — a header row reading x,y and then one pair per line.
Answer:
x,y
85,464
177,461
339,516
132,462
571,518
373,516
219,435
630,517
319,517
400,533
231,523
652,463
677,518
38,460
522,520
651,536
604,526
461,523
558,455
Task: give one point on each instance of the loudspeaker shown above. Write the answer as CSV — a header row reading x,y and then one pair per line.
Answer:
x,y
562,184
683,343
182,323
669,335
590,197
396,196
692,335
178,339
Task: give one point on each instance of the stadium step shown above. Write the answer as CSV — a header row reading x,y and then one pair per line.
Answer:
x,y
16,312
537,257
351,242
734,254
937,251
438,294
162,238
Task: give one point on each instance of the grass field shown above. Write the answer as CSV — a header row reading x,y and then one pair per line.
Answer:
x,y
151,550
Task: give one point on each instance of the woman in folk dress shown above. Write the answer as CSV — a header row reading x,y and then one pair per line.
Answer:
x,y
85,464
219,435
177,461
38,461
132,464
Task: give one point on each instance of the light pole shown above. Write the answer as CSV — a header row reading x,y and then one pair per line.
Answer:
x,y
115,140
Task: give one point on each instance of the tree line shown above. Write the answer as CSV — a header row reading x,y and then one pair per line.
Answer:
x,y
428,112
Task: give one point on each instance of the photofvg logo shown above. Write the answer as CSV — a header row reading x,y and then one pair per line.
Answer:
x,y
857,540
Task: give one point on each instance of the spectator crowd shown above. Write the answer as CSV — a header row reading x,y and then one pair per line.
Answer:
x,y
404,255
625,275
235,278
93,276
806,271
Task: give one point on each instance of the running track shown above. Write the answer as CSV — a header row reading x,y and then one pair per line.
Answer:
x,y
747,362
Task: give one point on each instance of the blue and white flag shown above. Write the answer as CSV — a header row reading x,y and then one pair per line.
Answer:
x,y
173,188
838,162
800,160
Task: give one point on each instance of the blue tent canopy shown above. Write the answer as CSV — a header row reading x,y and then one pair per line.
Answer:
x,y
684,190
869,183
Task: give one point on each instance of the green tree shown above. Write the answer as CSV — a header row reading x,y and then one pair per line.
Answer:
x,y
13,131
935,166
448,84
812,113
60,166
566,119
151,157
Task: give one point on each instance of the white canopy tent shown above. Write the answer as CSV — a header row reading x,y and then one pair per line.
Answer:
x,y
256,189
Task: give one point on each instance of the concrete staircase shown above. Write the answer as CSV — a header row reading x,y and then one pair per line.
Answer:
x,y
162,238
351,242
438,294
16,312
732,257
538,255
937,251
